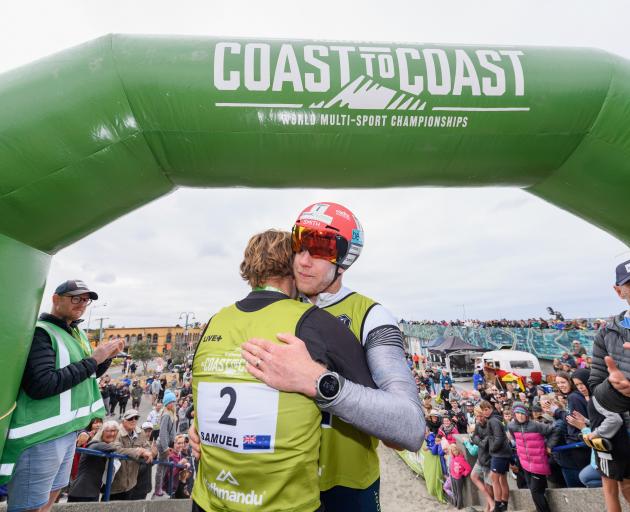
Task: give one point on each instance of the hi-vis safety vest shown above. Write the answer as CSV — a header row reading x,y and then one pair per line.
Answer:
x,y
38,421
347,456
259,446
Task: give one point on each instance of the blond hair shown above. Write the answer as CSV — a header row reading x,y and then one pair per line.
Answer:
x,y
454,449
267,255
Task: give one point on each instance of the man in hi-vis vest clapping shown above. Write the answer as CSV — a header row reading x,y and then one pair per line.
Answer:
x,y
59,395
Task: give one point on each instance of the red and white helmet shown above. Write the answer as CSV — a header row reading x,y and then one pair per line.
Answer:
x,y
329,231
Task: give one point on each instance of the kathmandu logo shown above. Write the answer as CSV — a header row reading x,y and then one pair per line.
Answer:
x,y
365,94
226,476
239,497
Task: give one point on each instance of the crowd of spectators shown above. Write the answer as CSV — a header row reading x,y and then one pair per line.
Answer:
x,y
159,437
524,430
581,324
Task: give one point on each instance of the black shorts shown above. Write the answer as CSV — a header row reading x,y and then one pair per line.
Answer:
x,y
500,465
345,499
614,469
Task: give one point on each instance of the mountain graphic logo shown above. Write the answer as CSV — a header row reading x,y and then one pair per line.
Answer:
x,y
363,93
226,476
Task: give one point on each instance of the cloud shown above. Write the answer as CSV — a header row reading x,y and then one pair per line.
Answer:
x,y
427,252
105,277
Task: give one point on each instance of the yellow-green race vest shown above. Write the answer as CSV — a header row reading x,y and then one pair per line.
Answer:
x,y
347,456
259,446
38,421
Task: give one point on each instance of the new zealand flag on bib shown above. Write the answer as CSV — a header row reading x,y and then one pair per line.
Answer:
x,y
256,442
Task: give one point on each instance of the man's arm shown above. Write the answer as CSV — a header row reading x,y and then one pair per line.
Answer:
x,y
610,425
41,379
103,367
599,372
392,413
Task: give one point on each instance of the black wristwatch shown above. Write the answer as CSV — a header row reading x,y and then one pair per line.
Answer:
x,y
327,387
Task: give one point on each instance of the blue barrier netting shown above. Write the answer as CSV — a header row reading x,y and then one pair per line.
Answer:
x,y
110,468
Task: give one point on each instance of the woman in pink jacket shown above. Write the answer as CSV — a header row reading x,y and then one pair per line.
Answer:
x,y
534,441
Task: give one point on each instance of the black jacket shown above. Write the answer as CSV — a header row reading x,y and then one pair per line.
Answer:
x,y
41,379
609,342
89,477
481,438
498,443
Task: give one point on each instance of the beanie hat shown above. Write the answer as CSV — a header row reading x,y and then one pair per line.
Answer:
x,y
169,397
582,374
520,408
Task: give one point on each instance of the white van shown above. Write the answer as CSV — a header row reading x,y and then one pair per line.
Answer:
x,y
520,363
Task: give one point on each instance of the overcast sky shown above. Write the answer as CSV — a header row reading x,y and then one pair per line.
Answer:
x,y
429,253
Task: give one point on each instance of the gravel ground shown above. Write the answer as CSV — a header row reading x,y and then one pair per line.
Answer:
x,y
401,489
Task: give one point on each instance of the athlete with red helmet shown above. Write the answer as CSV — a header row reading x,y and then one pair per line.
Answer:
x,y
327,239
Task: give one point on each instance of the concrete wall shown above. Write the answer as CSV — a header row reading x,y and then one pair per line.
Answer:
x,y
565,500
560,500
122,506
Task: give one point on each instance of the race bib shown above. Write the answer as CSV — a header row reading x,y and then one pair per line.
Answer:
x,y
239,417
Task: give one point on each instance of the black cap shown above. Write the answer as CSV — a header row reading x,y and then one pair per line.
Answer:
x,y
75,287
623,273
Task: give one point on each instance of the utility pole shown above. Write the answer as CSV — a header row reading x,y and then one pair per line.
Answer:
x,y
90,315
186,315
100,329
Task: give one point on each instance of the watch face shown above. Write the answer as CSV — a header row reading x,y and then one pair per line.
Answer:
x,y
329,386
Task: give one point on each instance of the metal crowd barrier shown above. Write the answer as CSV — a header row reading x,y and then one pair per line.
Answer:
x,y
110,468
568,446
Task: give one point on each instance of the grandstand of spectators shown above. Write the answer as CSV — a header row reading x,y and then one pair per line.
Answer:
x,y
581,324
546,339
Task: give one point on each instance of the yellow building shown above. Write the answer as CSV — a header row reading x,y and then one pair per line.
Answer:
x,y
159,338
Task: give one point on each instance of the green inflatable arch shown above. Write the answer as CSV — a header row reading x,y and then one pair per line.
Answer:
x,y
96,131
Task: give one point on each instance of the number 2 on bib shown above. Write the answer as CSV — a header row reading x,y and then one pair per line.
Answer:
x,y
239,417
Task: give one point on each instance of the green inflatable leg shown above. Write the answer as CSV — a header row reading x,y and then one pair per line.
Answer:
x,y
23,272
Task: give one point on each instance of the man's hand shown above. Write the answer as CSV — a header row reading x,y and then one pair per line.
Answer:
x,y
616,377
146,455
286,367
195,441
107,349
577,422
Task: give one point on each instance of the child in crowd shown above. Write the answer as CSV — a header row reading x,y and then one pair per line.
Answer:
x,y
481,474
533,440
458,469
434,466
501,454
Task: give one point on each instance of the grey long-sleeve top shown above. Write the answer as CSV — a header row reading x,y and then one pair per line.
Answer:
x,y
393,412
